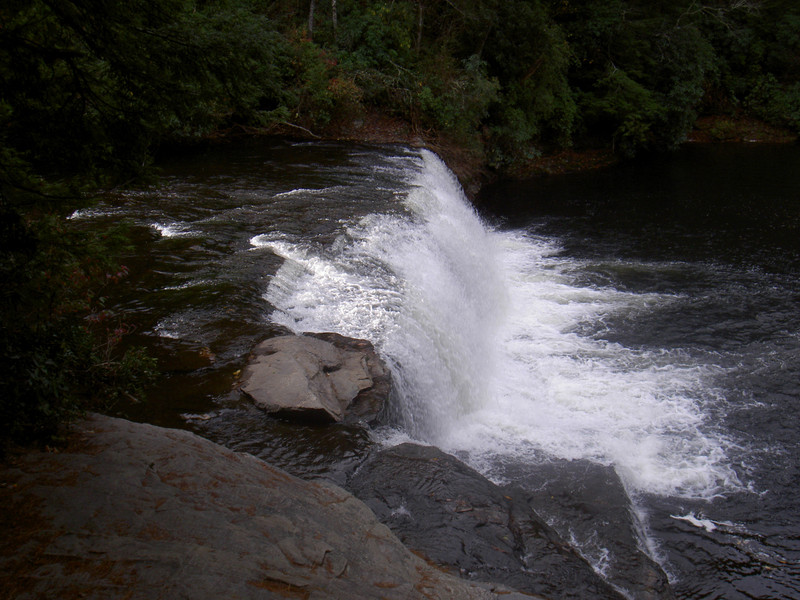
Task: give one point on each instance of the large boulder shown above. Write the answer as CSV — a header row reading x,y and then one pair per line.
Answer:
x,y
321,377
453,516
139,512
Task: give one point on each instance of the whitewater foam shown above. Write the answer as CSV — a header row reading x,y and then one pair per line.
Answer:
x,y
482,332
173,229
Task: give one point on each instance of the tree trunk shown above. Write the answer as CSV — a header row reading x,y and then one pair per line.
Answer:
x,y
419,26
311,19
333,17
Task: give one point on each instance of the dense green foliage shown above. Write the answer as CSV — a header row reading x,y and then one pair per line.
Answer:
x,y
59,345
93,87
90,89
513,78
645,70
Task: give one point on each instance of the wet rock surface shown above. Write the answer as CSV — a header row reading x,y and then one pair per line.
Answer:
x,y
587,502
323,377
136,511
453,516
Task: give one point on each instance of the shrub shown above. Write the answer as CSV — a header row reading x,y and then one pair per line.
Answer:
x,y
59,350
777,104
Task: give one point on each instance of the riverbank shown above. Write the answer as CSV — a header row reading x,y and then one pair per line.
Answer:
x,y
373,127
470,165
128,510
727,129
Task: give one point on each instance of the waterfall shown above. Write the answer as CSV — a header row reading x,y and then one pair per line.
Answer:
x,y
482,331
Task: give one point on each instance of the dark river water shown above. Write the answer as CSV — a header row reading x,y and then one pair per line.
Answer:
x,y
643,316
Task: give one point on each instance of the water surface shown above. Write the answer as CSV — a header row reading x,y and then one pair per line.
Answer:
x,y
643,317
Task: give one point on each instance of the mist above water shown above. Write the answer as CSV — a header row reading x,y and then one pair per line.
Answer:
x,y
481,329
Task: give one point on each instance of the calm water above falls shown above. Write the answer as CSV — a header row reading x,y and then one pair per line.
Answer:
x,y
643,317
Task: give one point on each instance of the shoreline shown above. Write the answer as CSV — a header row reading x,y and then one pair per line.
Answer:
x,y
470,165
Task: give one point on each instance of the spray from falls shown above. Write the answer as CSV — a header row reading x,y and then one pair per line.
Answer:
x,y
421,284
481,331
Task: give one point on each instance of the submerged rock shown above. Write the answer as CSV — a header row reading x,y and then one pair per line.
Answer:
x,y
178,355
320,377
453,516
139,512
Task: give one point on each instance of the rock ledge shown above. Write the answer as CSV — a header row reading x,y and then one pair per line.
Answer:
x,y
139,512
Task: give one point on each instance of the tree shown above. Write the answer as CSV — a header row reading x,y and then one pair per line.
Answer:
x,y
92,84
528,54
88,89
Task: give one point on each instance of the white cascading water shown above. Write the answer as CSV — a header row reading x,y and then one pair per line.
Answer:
x,y
480,327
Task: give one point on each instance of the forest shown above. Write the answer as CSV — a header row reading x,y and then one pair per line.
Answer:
x,y
91,91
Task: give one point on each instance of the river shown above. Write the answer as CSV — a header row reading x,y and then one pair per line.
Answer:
x,y
643,316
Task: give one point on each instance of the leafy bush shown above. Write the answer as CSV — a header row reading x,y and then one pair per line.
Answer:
x,y
376,35
775,103
58,348
455,97
530,58
313,70
630,109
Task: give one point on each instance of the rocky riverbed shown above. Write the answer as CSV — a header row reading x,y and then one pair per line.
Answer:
x,y
130,510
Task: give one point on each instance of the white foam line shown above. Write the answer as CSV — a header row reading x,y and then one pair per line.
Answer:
x,y
481,329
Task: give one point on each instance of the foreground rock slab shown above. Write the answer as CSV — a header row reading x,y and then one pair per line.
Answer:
x,y
139,512
453,516
321,377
